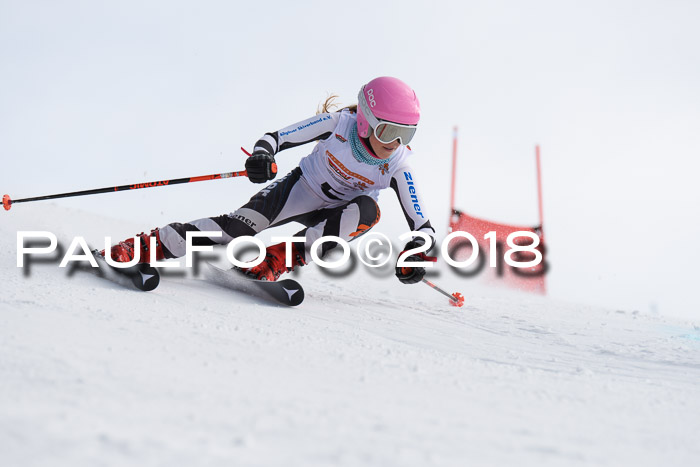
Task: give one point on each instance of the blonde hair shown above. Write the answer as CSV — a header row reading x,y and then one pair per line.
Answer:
x,y
329,105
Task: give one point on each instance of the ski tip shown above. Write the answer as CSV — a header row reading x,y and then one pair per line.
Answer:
x,y
458,299
145,277
6,202
293,290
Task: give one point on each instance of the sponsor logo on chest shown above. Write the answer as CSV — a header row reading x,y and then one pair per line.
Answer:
x,y
339,169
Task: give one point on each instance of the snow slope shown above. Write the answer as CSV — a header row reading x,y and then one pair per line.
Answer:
x,y
366,372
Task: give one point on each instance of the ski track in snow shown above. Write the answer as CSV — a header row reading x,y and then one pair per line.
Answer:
x,y
365,372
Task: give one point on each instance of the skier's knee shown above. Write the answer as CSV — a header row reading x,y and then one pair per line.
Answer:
x,y
369,211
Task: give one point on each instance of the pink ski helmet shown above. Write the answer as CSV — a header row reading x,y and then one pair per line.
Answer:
x,y
388,107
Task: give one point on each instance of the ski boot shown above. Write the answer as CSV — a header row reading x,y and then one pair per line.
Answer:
x,y
273,266
123,252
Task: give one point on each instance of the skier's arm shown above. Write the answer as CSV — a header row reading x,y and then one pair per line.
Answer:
x,y
318,127
261,165
404,184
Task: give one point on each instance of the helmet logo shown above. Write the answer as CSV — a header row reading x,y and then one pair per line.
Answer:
x,y
370,97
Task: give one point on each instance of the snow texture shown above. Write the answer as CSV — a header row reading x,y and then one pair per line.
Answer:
x,y
365,372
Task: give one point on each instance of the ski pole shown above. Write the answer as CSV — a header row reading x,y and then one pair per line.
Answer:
x,y
456,299
7,202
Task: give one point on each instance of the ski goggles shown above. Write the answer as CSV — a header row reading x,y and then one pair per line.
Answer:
x,y
386,132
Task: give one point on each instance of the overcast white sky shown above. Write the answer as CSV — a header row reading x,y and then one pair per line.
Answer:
x,y
101,93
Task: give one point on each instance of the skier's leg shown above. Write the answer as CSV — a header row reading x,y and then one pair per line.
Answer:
x,y
173,236
347,221
252,218
278,202
171,239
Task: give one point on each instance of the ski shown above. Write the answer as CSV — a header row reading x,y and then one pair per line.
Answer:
x,y
141,276
286,292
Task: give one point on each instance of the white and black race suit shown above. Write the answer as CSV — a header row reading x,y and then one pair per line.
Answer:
x,y
333,191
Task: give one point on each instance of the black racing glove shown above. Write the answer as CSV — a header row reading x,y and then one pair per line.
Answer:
x,y
261,167
412,275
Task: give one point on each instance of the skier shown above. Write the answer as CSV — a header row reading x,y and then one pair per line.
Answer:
x,y
361,150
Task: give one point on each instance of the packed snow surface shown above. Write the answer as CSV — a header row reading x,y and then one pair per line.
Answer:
x,y
366,372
